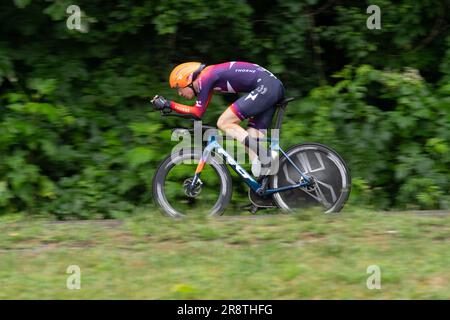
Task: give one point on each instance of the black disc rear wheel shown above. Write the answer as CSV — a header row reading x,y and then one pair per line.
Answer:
x,y
328,173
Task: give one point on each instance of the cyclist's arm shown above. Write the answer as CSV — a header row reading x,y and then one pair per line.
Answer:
x,y
197,110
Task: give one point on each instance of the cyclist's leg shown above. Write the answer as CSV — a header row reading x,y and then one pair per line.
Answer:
x,y
259,124
261,121
259,107
229,122
255,133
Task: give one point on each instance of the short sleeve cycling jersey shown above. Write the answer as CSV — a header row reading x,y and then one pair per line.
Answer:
x,y
229,77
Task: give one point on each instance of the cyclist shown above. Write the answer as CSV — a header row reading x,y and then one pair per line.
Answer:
x,y
193,79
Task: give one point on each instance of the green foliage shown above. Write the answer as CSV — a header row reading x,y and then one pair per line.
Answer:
x,y
77,138
392,128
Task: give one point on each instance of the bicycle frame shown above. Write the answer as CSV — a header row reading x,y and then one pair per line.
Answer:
x,y
248,179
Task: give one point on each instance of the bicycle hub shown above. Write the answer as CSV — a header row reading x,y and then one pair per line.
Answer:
x,y
190,190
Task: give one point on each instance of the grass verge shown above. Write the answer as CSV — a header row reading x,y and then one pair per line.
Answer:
x,y
307,255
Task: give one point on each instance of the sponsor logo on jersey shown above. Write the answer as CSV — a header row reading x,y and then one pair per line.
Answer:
x,y
251,96
245,70
182,109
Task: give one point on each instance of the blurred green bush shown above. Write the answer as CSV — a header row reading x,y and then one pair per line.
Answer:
x,y
391,127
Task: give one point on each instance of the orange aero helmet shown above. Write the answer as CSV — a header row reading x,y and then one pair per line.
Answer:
x,y
183,74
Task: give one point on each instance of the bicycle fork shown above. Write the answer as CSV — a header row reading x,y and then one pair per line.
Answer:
x,y
201,164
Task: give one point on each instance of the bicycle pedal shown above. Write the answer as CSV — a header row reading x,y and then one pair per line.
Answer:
x,y
253,209
246,207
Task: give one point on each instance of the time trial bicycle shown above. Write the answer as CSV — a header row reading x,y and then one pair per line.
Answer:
x,y
197,179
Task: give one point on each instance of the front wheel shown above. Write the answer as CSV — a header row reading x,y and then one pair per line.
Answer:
x,y
331,182
210,196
